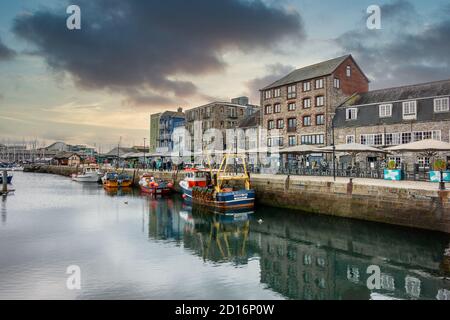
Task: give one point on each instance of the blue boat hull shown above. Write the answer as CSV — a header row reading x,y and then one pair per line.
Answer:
x,y
226,200
9,180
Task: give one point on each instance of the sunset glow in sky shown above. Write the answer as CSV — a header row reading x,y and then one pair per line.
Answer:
x,y
133,58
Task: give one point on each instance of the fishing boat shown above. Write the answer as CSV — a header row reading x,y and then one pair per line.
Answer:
x,y
8,179
124,180
88,174
150,185
213,189
110,180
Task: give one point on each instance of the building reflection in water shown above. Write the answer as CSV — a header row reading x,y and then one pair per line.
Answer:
x,y
306,256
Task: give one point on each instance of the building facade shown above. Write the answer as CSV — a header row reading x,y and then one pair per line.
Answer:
x,y
394,116
154,131
218,115
302,104
168,122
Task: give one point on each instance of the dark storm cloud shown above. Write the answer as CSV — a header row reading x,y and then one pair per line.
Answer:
x,y
144,45
407,50
274,72
5,52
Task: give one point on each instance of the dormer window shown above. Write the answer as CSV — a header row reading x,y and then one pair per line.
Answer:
x,y
441,105
385,110
348,71
351,113
409,110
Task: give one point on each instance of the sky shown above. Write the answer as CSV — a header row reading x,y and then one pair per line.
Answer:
x,y
134,58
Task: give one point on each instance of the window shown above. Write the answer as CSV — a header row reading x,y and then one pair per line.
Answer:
x,y
337,83
270,124
292,91
319,84
306,86
320,119
351,113
385,110
409,110
406,137
424,162
348,71
277,141
372,139
307,121
423,135
398,161
441,105
292,141
277,108
268,109
280,124
232,112
306,103
291,107
313,139
292,124
320,101
267,94
392,139
277,93
350,139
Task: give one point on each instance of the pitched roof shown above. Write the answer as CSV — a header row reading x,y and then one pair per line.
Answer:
x,y
417,91
251,120
310,72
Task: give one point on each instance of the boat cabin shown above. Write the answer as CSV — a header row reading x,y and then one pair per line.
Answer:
x,y
196,178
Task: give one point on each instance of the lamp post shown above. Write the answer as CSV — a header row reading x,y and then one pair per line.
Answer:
x,y
145,160
334,146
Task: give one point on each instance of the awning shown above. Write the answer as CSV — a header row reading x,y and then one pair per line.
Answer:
x,y
422,146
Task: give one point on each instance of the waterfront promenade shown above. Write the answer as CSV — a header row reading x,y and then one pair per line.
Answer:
x,y
414,204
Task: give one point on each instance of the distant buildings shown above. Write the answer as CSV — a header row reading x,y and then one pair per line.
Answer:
x,y
302,104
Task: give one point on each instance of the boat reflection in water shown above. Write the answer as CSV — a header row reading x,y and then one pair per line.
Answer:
x,y
125,191
303,256
217,236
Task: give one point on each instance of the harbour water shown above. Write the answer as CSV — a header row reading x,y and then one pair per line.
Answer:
x,y
129,246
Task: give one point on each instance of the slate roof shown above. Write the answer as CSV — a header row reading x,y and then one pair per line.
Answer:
x,y
250,121
123,150
417,91
313,71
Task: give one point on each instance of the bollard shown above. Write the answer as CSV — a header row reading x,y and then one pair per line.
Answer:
x,y
5,182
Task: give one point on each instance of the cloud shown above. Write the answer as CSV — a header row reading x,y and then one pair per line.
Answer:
x,y
405,51
5,52
274,72
135,45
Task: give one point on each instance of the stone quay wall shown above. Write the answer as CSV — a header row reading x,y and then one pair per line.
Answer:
x,y
410,204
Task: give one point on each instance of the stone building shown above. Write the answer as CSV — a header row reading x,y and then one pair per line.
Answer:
x,y
301,105
394,116
218,115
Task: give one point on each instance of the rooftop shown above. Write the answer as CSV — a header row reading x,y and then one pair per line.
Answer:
x,y
417,91
310,72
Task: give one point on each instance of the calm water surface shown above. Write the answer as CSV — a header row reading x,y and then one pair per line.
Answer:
x,y
132,246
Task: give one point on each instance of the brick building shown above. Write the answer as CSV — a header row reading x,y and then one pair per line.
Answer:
x,y
395,116
302,104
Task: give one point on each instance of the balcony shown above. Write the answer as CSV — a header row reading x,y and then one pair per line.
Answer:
x,y
292,129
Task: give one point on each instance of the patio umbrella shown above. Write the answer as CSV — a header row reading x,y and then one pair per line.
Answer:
x,y
352,148
426,145
300,149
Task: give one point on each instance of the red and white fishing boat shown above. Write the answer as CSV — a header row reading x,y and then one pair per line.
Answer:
x,y
150,185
